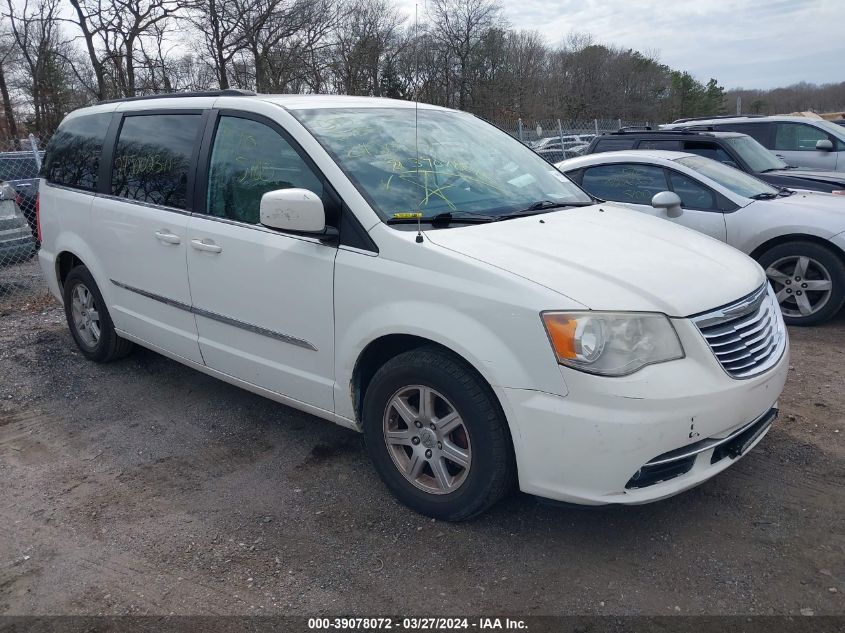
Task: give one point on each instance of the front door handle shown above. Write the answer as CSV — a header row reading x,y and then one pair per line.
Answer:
x,y
206,245
167,237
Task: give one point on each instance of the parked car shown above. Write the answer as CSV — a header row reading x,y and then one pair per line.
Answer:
x,y
20,170
553,149
798,141
16,242
731,148
797,237
477,315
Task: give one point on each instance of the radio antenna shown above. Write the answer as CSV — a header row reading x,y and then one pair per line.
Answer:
x,y
417,105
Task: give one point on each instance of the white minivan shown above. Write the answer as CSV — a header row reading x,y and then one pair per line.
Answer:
x,y
416,274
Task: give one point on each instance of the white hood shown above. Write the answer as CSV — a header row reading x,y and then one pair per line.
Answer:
x,y
609,258
825,211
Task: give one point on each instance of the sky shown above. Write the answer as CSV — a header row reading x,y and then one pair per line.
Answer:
x,y
742,43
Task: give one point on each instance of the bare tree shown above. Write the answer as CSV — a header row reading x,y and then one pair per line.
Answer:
x,y
459,26
7,51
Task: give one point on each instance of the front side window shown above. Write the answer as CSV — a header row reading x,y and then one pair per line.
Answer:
x,y
798,137
693,194
737,181
436,161
72,158
622,182
153,157
249,159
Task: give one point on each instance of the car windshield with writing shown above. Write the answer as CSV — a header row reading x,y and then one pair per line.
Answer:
x,y
737,181
436,162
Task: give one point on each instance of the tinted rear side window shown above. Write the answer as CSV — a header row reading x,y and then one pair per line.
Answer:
x,y
153,157
760,132
613,144
73,154
660,144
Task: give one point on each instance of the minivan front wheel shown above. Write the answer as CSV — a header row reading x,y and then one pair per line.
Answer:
x,y
808,279
89,320
437,436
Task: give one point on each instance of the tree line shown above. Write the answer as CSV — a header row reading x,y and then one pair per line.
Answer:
x,y
56,56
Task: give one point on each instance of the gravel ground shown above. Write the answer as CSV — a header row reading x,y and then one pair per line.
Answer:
x,y
143,487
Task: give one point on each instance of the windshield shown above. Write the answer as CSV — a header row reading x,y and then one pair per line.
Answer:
x,y
449,162
757,157
730,178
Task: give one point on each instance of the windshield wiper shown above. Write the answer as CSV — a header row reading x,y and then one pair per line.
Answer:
x,y
784,192
542,206
764,196
445,219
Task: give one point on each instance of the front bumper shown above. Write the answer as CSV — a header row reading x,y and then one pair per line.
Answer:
x,y
588,446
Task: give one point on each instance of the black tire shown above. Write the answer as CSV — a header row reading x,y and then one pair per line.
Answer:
x,y
819,256
492,471
108,346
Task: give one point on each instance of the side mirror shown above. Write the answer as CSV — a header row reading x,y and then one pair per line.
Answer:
x,y
296,210
670,201
824,145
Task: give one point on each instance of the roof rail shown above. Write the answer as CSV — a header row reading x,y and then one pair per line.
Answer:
x,y
635,128
700,128
720,116
650,131
230,92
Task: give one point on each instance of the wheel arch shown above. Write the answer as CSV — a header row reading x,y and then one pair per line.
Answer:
x,y
796,237
65,262
380,350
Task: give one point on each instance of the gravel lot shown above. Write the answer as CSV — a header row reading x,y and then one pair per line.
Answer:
x,y
143,487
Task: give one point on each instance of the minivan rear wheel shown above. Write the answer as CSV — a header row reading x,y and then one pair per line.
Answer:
x,y
89,320
808,279
437,435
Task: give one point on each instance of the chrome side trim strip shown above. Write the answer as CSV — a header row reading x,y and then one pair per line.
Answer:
x,y
154,297
255,329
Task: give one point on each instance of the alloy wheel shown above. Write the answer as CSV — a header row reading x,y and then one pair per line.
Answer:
x,y
802,284
427,439
86,317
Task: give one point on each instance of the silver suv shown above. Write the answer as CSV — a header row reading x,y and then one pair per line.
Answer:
x,y
797,140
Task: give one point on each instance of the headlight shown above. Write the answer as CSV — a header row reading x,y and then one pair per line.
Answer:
x,y
611,343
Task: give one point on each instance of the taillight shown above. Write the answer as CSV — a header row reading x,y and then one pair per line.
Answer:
x,y
38,215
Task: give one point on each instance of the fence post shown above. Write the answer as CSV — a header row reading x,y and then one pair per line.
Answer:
x,y
596,121
33,144
560,134
519,127
620,123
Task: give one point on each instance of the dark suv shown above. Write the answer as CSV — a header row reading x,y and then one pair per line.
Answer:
x,y
731,148
20,169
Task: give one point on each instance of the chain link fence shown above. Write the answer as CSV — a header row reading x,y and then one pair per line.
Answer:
x,y
559,139
21,283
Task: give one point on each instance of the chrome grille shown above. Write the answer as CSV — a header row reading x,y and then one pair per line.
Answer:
x,y
747,336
